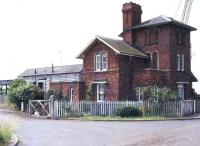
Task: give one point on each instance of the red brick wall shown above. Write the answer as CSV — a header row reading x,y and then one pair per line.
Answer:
x,y
112,75
167,49
131,16
64,88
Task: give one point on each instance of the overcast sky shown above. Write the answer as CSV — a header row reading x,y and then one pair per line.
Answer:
x,y
37,33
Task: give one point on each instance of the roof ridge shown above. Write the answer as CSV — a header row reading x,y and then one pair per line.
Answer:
x,y
98,36
54,66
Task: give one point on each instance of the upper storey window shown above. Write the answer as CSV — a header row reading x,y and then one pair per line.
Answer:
x,y
155,60
180,37
104,61
101,61
180,62
98,61
152,36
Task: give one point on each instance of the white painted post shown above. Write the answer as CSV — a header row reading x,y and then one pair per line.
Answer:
x,y
51,109
194,102
22,106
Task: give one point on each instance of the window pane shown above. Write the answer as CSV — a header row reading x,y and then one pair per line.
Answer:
x,y
178,61
182,63
98,62
104,61
155,61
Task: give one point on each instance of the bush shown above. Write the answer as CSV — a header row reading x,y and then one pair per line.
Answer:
x,y
7,126
57,94
129,111
21,91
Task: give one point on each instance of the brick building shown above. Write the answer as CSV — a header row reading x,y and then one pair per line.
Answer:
x,y
155,53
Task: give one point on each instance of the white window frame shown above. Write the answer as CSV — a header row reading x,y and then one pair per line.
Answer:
x,y
100,91
156,92
181,91
104,55
71,94
182,62
98,61
178,62
140,94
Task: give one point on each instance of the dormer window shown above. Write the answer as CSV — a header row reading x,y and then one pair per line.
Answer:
x,y
101,61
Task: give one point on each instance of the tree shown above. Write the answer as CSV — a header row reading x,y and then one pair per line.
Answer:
x,y
15,90
21,91
31,92
162,94
157,94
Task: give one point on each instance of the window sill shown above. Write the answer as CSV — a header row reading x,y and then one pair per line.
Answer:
x,y
100,70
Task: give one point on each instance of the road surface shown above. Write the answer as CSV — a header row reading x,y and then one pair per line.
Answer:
x,y
43,132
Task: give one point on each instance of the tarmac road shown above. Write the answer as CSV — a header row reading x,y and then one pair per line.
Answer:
x,y
43,132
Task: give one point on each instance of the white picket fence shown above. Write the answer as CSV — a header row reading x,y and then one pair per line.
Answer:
x,y
62,108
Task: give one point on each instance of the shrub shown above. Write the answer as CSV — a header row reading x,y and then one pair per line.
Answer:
x,y
7,126
21,91
129,111
57,94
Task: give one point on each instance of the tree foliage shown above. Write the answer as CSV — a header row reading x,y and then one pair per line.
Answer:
x,y
21,91
157,93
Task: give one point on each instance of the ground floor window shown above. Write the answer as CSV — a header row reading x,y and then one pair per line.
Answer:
x,y
144,93
139,93
181,91
100,92
71,94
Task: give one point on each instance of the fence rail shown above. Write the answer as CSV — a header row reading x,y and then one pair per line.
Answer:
x,y
62,108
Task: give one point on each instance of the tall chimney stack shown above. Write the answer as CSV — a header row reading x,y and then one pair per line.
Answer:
x,y
132,13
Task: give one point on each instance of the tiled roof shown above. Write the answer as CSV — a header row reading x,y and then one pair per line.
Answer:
x,y
119,46
160,20
56,70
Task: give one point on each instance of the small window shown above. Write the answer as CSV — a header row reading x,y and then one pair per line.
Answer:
x,y
41,85
178,62
180,37
139,93
181,91
149,60
155,90
104,61
182,63
71,94
98,61
155,61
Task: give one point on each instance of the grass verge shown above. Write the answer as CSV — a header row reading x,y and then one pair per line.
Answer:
x,y
7,127
6,106
118,118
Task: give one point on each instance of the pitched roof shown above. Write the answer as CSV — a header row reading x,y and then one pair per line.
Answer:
x,y
160,20
66,69
119,46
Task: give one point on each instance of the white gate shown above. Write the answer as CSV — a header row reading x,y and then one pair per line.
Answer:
x,y
39,108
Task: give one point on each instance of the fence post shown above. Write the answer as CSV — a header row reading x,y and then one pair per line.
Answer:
x,y
194,106
29,108
182,106
51,106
